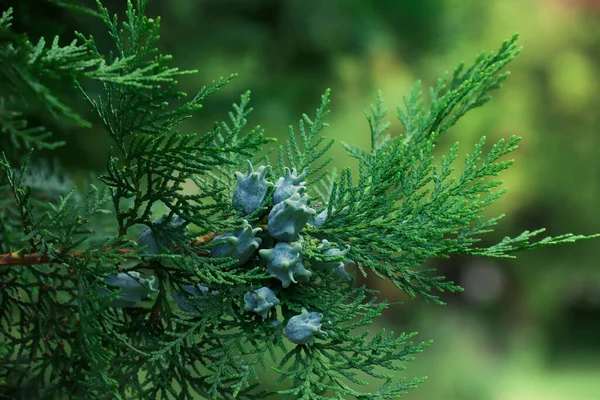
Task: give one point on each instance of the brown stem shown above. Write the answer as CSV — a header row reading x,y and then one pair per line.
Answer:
x,y
34,258
12,258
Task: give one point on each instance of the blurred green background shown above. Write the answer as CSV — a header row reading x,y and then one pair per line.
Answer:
x,y
524,329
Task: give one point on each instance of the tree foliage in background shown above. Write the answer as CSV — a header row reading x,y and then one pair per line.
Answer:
x,y
182,324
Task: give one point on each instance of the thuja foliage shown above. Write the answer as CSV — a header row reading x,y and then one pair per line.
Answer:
x,y
136,286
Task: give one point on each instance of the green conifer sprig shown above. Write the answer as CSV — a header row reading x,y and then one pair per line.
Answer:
x,y
144,124
340,364
237,145
405,209
88,312
16,127
27,66
313,146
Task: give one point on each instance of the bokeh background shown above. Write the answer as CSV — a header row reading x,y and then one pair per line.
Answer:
x,y
524,329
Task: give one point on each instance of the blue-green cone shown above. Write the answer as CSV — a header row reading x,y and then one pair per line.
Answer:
x,y
240,244
251,189
287,218
260,301
285,263
290,185
336,267
152,242
133,288
303,328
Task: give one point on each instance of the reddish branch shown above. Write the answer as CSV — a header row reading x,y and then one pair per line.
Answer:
x,y
15,258
32,259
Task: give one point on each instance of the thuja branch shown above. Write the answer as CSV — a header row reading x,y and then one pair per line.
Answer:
x,y
15,258
279,268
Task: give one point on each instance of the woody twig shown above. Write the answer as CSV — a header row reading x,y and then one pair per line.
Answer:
x,y
15,258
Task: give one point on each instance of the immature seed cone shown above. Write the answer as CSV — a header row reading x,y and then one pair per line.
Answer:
x,y
285,262
290,185
251,189
240,244
260,301
303,328
287,218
